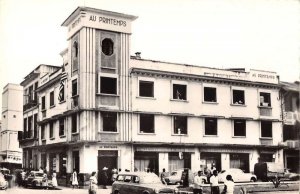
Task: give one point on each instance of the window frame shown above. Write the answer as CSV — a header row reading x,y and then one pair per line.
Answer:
x,y
214,130
51,130
261,129
103,122
43,132
263,104
72,92
181,83
43,103
147,82
111,47
61,122
174,132
74,118
152,122
108,75
232,96
234,127
216,96
51,98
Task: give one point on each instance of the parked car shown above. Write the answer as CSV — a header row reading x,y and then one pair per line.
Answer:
x,y
175,177
291,175
34,179
6,173
140,182
267,171
3,182
237,175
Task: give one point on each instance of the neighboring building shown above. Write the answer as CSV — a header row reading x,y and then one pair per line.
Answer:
x,y
12,107
105,108
291,127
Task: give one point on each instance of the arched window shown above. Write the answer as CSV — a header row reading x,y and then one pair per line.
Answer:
x,y
107,46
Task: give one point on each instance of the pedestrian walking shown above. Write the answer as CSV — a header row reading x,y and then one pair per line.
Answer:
x,y
198,181
228,185
214,183
93,184
74,179
114,174
45,180
104,177
54,180
162,176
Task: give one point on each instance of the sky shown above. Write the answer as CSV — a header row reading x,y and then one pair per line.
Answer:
x,y
251,34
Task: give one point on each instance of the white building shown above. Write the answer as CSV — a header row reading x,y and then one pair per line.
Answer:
x,y
12,107
105,108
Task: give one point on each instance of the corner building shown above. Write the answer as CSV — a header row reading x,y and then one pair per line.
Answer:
x,y
104,107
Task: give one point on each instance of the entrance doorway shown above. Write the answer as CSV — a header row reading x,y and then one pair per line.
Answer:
x,y
108,159
76,161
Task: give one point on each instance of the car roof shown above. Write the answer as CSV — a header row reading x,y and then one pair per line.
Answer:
x,y
137,173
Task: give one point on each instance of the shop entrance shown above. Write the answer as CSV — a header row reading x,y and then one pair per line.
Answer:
x,y
240,161
144,161
178,160
108,159
76,161
211,160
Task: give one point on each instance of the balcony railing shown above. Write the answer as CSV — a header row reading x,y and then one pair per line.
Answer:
x,y
30,104
265,111
293,144
75,102
289,118
75,137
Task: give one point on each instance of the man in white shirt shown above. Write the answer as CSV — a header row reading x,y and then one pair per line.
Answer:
x,y
214,183
198,181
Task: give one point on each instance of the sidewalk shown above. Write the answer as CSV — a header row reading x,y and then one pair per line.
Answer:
x,y
79,190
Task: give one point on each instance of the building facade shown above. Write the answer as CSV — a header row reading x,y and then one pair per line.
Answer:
x,y
11,126
291,127
105,108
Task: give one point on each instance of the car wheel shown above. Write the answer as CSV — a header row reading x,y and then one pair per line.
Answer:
x,y
116,192
253,179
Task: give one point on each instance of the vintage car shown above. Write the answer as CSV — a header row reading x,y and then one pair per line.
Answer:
x,y
175,177
140,183
237,175
34,179
288,175
3,182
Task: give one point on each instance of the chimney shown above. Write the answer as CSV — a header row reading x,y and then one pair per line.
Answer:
x,y
138,55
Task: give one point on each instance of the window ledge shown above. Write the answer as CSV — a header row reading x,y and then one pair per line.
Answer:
x,y
144,133
179,134
62,101
43,139
75,96
112,68
242,105
145,97
269,107
207,102
238,136
178,100
210,136
268,138
43,110
52,138
52,106
62,136
109,132
103,94
75,133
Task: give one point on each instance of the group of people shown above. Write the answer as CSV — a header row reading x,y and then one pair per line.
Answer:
x,y
214,183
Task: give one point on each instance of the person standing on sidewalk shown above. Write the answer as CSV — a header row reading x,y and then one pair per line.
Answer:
x,y
93,184
228,185
198,181
214,183
74,179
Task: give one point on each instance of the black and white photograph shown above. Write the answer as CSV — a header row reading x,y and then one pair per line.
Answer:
x,y
149,96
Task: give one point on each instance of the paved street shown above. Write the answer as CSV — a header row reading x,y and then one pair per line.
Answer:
x,y
63,191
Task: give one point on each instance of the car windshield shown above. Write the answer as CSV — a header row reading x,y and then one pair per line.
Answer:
x,y
37,174
173,173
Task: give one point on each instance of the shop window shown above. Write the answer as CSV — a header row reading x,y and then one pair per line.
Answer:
x,y
108,85
266,158
109,120
238,96
239,128
74,88
210,94
74,123
266,129
51,98
146,123
180,125
179,92
107,46
146,89
211,126
51,133
61,127
265,99
43,103
42,131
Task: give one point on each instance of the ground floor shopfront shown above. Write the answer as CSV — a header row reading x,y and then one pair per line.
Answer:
x,y
88,157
